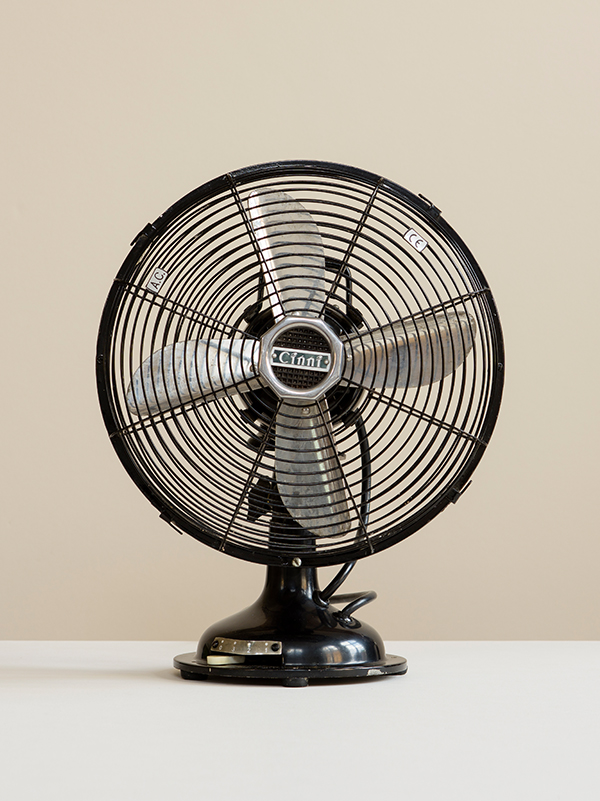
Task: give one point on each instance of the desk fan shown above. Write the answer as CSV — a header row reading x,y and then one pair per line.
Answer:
x,y
299,364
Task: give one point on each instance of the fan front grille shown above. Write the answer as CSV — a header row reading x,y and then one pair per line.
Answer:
x,y
209,464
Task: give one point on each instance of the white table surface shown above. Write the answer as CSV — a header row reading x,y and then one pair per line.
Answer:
x,y
470,720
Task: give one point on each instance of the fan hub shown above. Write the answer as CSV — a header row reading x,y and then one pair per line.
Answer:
x,y
301,358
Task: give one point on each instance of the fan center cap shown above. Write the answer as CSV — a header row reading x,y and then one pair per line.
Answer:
x,y
301,357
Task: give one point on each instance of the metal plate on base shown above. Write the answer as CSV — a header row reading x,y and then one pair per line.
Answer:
x,y
198,669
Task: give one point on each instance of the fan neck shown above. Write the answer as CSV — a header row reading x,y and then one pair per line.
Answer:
x,y
289,584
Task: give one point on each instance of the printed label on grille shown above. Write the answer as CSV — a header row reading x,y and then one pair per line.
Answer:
x,y
300,359
156,280
415,239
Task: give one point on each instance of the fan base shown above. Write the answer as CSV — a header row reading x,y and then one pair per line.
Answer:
x,y
290,635
198,670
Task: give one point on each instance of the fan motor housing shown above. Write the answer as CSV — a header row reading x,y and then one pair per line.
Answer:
x,y
305,347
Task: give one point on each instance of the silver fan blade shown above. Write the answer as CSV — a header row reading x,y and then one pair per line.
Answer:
x,y
199,369
410,353
307,470
293,259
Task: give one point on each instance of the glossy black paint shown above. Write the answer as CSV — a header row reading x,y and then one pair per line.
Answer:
x,y
318,641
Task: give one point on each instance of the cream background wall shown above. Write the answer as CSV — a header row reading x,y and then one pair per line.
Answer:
x,y
114,110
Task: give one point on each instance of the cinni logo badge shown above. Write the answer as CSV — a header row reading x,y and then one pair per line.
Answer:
x,y
300,359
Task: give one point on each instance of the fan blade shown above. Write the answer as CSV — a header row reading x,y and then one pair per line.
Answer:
x,y
307,469
412,352
292,255
196,370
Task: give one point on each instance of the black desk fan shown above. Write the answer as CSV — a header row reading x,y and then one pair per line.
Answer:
x,y
299,364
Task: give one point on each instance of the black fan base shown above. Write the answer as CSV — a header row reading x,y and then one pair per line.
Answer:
x,y
199,670
290,635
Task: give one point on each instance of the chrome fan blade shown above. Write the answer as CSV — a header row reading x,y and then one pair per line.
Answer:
x,y
410,353
196,370
292,255
307,469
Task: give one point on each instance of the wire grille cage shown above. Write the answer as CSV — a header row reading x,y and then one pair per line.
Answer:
x,y
213,458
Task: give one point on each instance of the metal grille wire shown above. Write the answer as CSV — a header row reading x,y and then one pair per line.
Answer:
x,y
208,466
